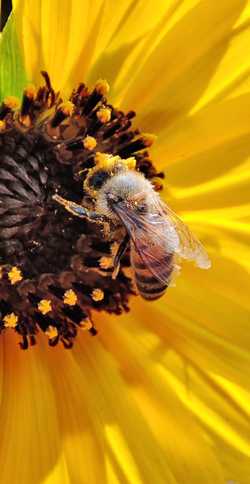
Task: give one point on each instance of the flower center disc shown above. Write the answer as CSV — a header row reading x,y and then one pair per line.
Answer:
x,y
56,268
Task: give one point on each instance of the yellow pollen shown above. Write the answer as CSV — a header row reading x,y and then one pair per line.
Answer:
x,y
44,306
51,332
107,161
89,143
102,87
10,320
15,275
67,108
2,125
85,324
103,160
104,115
97,295
11,102
70,297
149,139
105,262
130,162
30,91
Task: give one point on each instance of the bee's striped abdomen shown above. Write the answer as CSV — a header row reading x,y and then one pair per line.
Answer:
x,y
147,284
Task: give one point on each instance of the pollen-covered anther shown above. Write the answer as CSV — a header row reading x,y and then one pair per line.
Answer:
x,y
102,87
128,272
104,115
86,324
70,297
29,95
157,183
30,91
44,306
51,332
10,320
89,143
11,102
67,108
105,262
148,139
15,275
64,111
97,295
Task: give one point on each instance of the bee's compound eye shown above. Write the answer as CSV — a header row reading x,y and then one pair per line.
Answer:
x,y
98,179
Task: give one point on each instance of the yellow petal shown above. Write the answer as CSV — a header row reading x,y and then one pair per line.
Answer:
x,y
131,400
52,35
68,43
214,179
119,48
165,88
221,408
211,127
232,76
30,439
81,438
207,156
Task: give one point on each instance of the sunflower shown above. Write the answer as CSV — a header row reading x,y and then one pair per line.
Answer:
x,y
161,393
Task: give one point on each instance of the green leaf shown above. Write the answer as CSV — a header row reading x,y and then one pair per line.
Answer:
x,y
12,72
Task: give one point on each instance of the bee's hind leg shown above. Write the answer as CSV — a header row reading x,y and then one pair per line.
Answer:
x,y
119,254
78,210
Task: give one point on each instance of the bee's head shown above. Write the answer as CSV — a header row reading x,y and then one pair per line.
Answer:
x,y
106,166
128,191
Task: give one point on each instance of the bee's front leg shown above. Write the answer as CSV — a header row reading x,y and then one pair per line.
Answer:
x,y
78,210
120,252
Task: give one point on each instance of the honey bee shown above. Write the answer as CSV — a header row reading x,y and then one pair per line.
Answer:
x,y
157,237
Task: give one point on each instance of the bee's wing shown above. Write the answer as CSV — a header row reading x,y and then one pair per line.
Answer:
x,y
189,246
158,235
150,237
